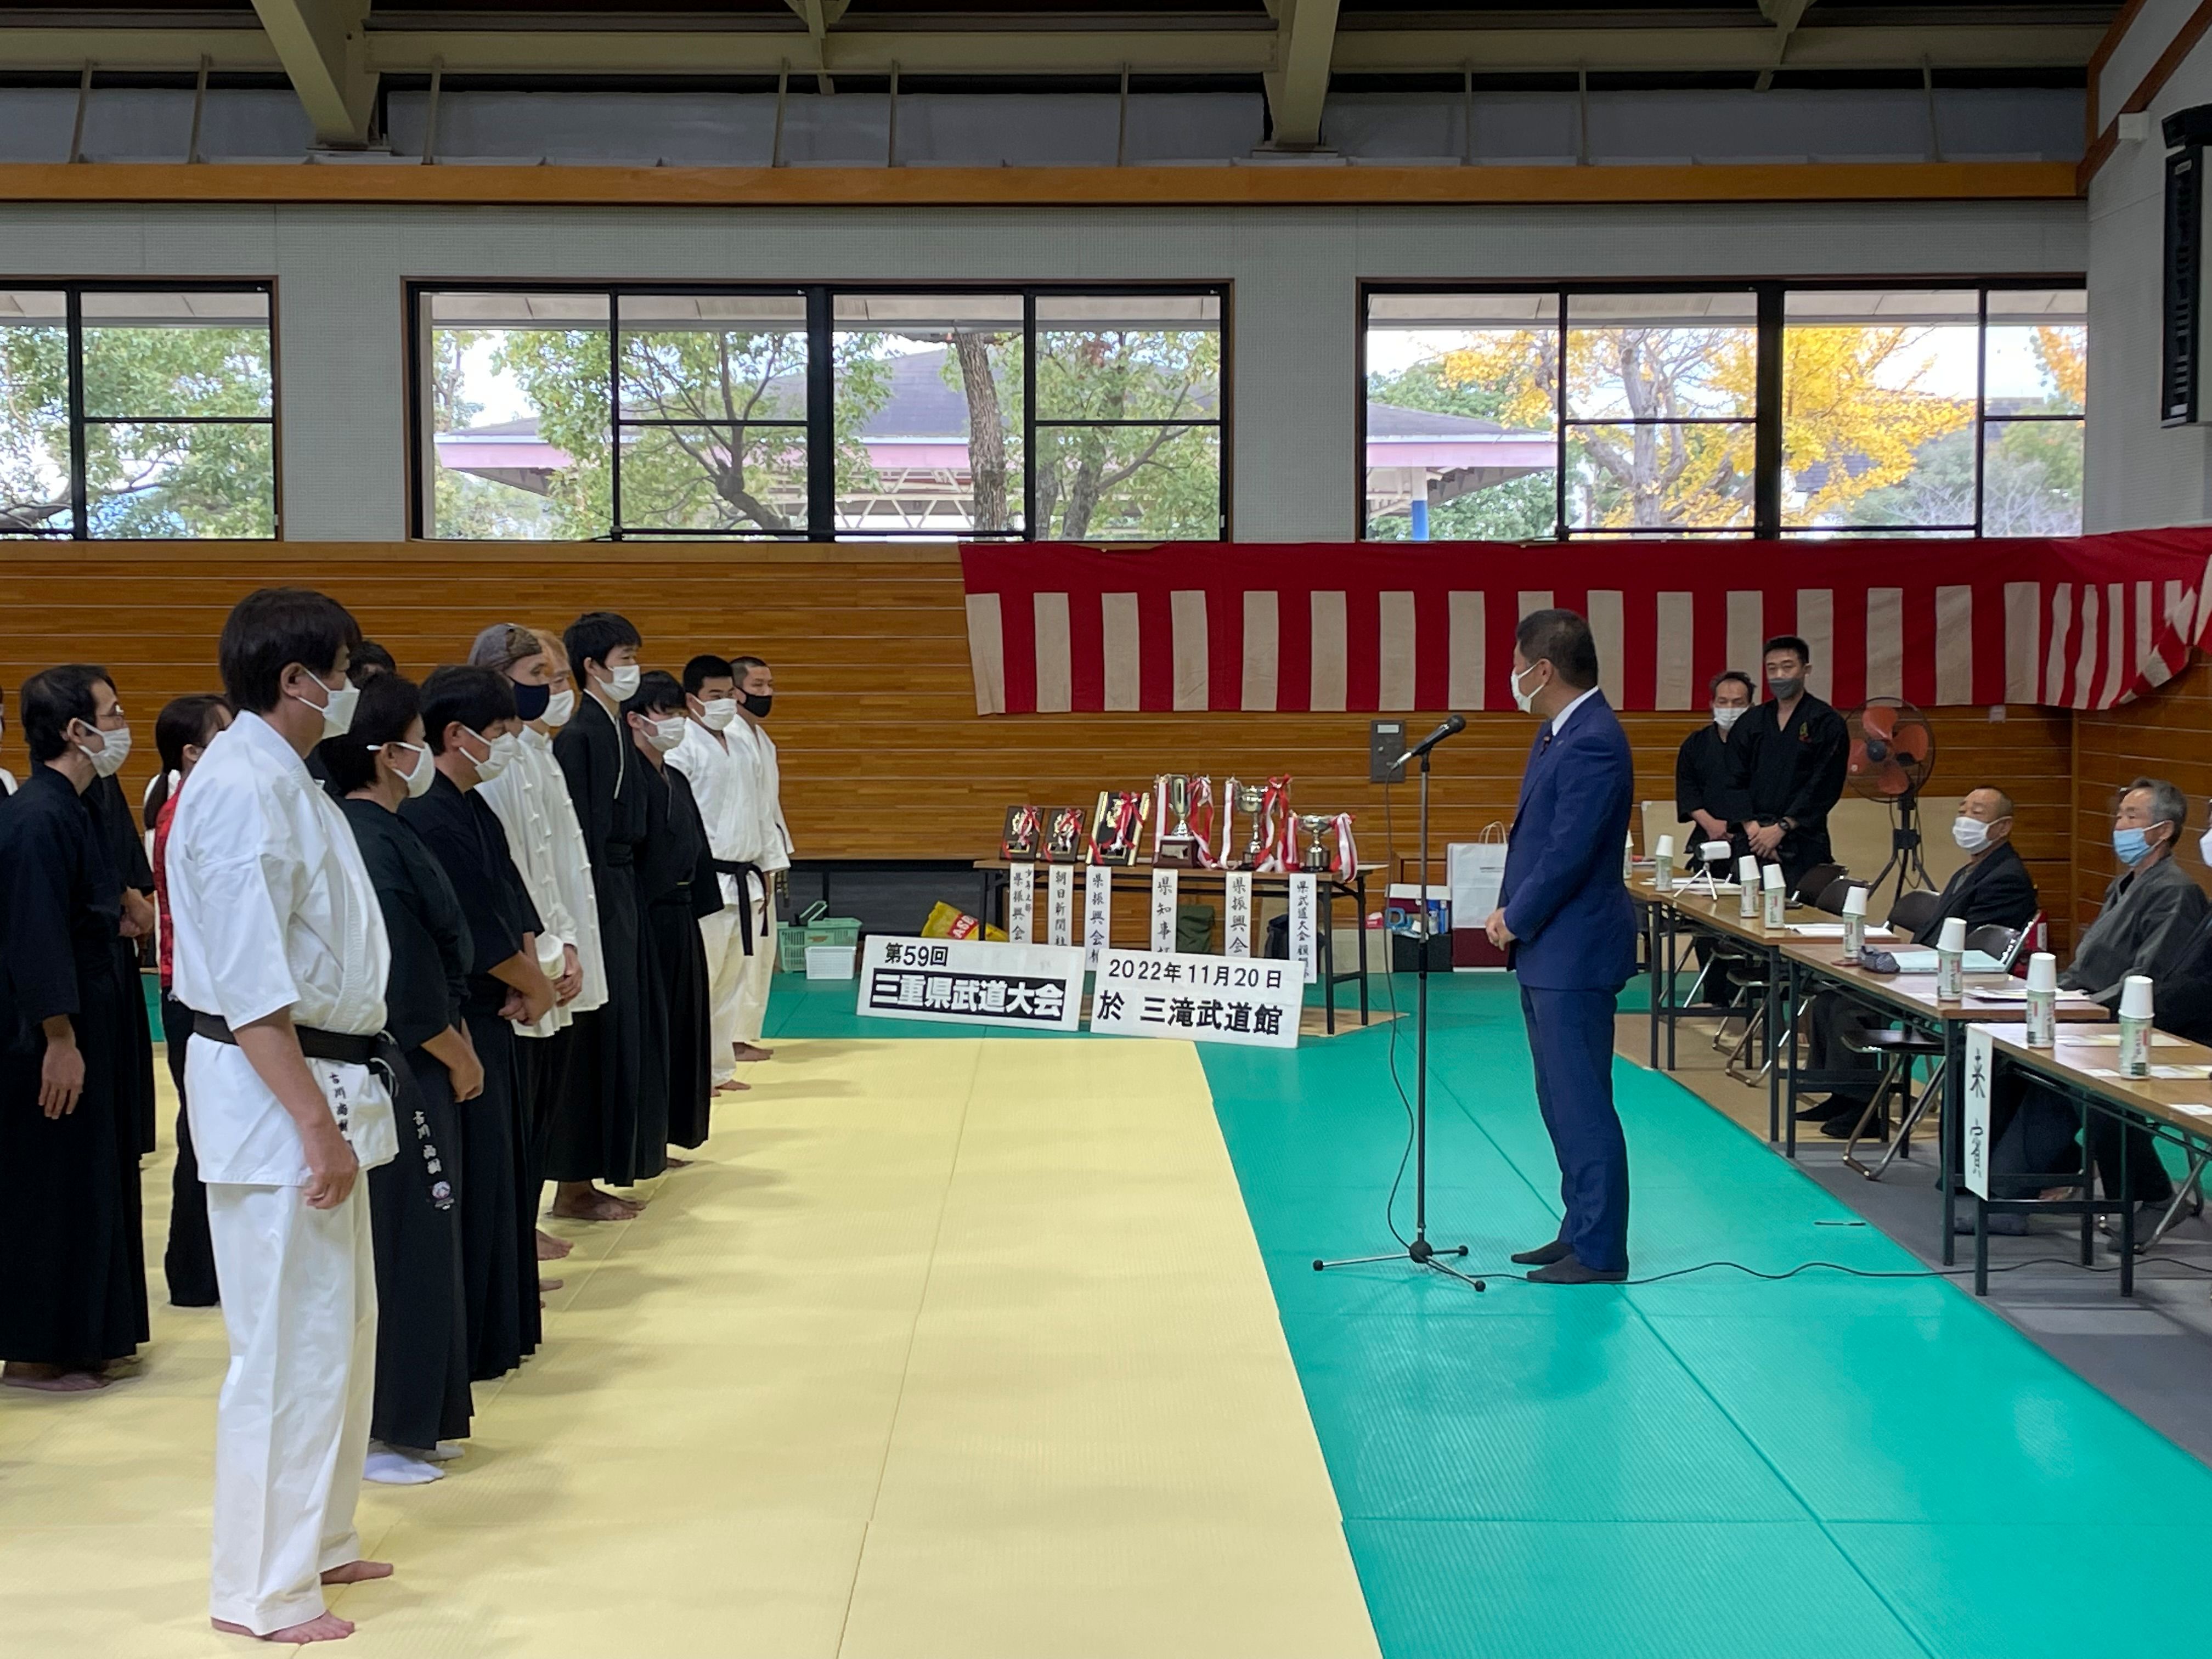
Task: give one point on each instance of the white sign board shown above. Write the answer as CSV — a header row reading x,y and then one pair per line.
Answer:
x,y
1236,914
1021,902
1199,999
1060,904
1981,1062
1306,905
1098,913
1166,886
1036,987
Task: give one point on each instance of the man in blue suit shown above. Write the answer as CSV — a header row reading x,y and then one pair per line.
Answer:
x,y
1564,921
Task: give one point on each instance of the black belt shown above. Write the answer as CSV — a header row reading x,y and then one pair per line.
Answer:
x,y
380,1054
344,1047
740,870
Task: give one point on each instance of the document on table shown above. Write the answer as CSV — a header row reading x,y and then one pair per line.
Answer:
x,y
2167,1074
2012,996
1835,930
2111,1040
1923,962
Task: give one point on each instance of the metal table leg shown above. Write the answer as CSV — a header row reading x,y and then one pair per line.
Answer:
x,y
1948,1132
1775,1003
1789,1091
1328,944
1359,881
1651,967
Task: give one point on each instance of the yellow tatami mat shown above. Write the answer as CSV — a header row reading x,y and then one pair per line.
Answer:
x,y
947,1347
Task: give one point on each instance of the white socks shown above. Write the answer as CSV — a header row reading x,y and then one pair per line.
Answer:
x,y
389,1468
447,1450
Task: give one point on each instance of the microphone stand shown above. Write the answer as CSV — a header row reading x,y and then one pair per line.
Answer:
x,y
1419,1251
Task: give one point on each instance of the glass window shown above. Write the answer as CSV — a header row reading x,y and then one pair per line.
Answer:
x,y
929,414
1462,416
175,432
1128,416
1659,395
812,412
1937,410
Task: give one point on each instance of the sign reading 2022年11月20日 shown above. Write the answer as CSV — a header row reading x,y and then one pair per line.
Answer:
x,y
1037,987
1166,993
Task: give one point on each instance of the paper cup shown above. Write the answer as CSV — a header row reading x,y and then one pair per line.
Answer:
x,y
1855,901
1771,876
1666,847
2135,996
1953,936
2043,972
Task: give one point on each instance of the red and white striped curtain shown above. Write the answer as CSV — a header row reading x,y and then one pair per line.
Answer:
x,y
2080,623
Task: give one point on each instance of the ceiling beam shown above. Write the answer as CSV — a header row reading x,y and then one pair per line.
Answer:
x,y
321,46
1785,16
1298,86
1218,50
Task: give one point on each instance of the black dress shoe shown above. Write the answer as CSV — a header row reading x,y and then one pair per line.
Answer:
x,y
1834,1106
1571,1271
1544,1254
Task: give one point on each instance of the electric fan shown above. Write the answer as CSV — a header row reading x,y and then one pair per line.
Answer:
x,y
1892,752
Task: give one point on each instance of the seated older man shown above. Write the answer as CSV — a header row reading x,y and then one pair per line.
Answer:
x,y
1992,886
2149,924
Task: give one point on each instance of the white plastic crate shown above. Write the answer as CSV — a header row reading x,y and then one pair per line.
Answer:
x,y
832,961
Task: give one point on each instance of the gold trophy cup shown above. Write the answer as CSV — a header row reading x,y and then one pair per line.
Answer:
x,y
1177,845
1316,856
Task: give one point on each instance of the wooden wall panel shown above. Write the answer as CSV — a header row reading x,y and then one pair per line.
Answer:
x,y
883,755
2165,735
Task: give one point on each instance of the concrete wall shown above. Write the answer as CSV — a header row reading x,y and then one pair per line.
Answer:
x,y
341,271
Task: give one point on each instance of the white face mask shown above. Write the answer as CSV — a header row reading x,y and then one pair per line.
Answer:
x,y
107,760
1724,717
417,781
337,711
665,735
558,707
1525,701
719,714
1972,834
502,749
620,683
2204,846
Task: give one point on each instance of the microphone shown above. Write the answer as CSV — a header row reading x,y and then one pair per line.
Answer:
x,y
1454,724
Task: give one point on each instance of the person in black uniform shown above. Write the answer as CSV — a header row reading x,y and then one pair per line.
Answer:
x,y
468,715
1788,756
677,875
72,1254
421,1329
612,1124
1706,794
1992,886
126,850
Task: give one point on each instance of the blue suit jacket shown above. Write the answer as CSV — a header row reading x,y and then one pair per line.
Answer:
x,y
1573,926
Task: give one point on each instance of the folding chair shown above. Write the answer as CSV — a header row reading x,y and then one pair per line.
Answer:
x,y
1899,1050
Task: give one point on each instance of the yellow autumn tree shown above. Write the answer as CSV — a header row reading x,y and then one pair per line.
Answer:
x,y
1854,415
2063,353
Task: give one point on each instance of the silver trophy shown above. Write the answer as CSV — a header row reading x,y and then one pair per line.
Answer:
x,y
1177,844
1248,798
1316,856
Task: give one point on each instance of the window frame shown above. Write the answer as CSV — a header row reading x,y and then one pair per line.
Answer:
x,y
1765,420
73,291
818,423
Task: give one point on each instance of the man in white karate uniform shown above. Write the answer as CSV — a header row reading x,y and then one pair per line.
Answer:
x,y
281,953
767,841
721,779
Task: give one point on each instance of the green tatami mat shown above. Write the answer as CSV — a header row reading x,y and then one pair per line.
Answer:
x,y
1714,1468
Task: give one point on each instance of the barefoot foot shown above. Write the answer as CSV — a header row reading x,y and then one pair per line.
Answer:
x,y
324,1627
544,1284
673,1162
751,1051
355,1572
602,1206
50,1379
552,1249
730,1087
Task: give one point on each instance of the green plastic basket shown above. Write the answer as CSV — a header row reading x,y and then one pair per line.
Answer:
x,y
814,927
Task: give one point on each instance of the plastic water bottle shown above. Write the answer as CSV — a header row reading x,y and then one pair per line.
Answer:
x,y
1853,923
1950,960
2134,1025
1662,866
1746,879
1778,896
2042,1001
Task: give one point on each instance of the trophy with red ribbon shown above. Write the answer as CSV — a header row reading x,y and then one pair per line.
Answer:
x,y
1175,844
1063,834
1117,827
1018,843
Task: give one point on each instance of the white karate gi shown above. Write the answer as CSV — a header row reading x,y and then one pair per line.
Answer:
x,y
722,778
271,908
530,798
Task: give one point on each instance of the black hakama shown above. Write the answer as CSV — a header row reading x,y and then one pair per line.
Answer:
x,y
188,1263
423,1334
499,1251
612,1124
133,1056
72,1256
677,873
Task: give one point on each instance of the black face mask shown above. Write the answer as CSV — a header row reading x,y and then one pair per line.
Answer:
x,y
756,704
530,701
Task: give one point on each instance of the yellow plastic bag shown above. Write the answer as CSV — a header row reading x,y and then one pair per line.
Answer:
x,y
947,922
